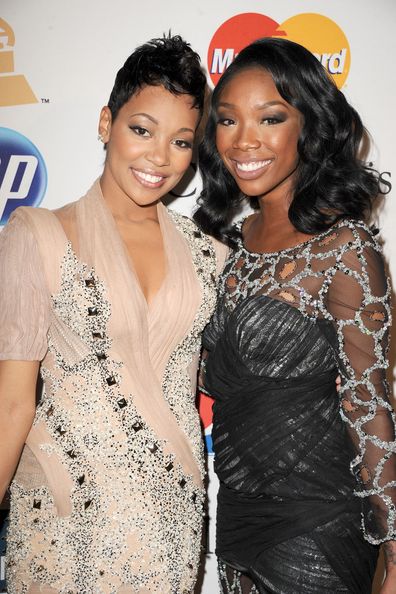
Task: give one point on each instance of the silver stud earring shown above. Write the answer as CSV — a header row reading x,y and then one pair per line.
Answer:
x,y
100,137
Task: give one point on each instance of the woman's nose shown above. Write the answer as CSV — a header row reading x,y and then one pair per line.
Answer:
x,y
159,154
246,138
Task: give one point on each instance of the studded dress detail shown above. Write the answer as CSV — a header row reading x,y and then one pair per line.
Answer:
x,y
108,495
307,475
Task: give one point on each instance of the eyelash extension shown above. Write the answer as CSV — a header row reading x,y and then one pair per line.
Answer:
x,y
273,120
222,121
138,129
186,144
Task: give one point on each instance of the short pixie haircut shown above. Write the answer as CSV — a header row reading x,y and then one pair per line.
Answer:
x,y
331,181
168,61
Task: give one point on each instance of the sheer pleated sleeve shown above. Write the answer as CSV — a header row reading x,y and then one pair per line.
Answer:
x,y
358,300
24,299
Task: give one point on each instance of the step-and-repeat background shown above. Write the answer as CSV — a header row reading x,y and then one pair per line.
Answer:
x,y
57,66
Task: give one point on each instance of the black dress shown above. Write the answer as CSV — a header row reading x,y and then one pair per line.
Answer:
x,y
291,515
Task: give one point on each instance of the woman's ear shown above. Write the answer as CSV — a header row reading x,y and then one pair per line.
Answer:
x,y
105,121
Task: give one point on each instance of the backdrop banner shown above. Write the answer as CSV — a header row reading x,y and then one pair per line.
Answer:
x,y
58,62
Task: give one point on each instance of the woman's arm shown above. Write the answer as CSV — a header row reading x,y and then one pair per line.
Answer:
x,y
359,303
17,406
389,585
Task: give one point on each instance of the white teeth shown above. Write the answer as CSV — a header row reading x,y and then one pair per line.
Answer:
x,y
153,179
252,165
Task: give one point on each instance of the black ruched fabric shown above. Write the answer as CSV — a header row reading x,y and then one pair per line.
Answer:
x,y
288,517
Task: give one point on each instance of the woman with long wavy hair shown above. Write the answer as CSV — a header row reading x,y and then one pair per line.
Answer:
x,y
303,297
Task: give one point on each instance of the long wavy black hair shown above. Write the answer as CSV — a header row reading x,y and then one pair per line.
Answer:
x,y
331,181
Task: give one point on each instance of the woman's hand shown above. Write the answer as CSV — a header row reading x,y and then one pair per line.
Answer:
x,y
201,371
17,407
389,585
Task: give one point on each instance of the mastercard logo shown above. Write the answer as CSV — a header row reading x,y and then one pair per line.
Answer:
x,y
319,34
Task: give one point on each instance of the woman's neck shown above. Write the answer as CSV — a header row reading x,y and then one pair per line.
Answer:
x,y
270,229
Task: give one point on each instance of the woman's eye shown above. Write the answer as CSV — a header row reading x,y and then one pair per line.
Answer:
x,y
271,121
184,144
140,131
225,121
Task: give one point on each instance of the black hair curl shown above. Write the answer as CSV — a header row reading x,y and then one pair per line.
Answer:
x,y
332,183
167,61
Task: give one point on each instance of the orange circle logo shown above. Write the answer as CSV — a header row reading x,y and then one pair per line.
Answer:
x,y
319,34
325,39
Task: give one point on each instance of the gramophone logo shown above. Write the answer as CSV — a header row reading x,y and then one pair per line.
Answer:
x,y
14,88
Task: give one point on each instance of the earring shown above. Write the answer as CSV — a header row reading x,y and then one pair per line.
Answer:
x,y
100,137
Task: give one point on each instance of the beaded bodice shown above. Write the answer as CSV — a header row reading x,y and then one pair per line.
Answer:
x,y
337,281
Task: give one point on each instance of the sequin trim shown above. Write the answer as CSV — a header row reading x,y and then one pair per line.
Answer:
x,y
176,383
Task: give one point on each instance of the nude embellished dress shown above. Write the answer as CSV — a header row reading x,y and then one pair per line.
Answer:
x,y
108,494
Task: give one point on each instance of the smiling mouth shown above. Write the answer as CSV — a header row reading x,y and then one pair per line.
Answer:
x,y
251,165
149,179
250,169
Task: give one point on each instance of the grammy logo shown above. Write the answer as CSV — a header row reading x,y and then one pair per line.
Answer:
x,y
14,88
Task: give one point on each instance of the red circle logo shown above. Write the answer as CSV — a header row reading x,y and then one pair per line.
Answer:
x,y
319,34
232,36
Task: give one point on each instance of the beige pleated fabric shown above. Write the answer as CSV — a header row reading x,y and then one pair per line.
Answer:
x,y
108,495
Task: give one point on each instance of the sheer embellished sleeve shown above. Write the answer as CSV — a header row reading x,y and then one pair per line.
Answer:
x,y
358,303
24,302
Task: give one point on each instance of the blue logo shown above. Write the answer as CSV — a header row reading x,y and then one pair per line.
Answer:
x,y
23,174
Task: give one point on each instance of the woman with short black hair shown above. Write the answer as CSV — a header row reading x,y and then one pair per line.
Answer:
x,y
108,297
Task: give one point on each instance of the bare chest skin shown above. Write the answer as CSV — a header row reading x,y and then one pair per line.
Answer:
x,y
144,246
274,236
